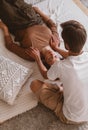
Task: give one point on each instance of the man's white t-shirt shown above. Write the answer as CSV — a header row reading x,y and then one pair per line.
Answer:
x,y
73,73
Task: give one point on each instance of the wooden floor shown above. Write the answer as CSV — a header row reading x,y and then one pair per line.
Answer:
x,y
85,2
79,3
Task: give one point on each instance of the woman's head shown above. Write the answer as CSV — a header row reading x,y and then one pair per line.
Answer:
x,y
74,35
49,55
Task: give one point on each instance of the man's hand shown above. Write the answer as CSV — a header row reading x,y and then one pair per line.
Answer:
x,y
33,52
54,43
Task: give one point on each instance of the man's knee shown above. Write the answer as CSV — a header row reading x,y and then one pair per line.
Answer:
x,y
36,85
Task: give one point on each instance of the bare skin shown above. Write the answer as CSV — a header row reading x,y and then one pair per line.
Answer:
x,y
36,55
36,85
50,58
55,47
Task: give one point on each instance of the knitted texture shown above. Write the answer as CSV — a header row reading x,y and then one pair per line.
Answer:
x,y
12,77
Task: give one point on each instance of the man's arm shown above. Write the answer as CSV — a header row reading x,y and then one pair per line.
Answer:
x,y
11,45
63,53
35,54
54,46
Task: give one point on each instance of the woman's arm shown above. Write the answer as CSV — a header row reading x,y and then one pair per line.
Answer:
x,y
11,45
35,54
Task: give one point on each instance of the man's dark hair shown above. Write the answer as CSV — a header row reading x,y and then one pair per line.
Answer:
x,y
74,34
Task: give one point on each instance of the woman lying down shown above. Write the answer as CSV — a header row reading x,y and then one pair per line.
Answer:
x,y
31,28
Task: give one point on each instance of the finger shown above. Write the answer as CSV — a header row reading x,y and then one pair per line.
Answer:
x,y
36,49
27,52
32,54
50,41
53,38
28,49
32,48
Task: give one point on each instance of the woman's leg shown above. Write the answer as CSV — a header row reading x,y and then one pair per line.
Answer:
x,y
36,85
48,94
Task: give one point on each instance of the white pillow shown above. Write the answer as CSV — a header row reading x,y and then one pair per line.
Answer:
x,y
33,1
12,77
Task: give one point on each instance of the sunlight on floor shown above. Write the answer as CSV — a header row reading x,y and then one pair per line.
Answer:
x,y
85,2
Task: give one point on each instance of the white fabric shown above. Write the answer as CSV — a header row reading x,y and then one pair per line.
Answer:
x,y
33,1
73,73
26,101
12,77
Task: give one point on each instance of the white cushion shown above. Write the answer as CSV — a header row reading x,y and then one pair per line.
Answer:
x,y
12,77
33,1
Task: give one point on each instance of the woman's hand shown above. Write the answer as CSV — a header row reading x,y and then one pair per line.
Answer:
x,y
33,52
